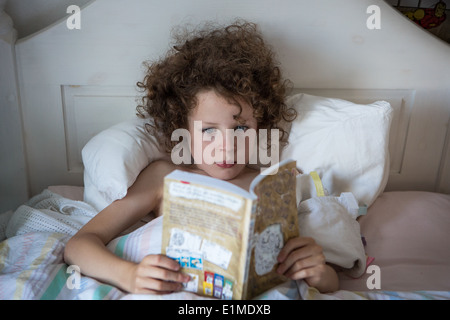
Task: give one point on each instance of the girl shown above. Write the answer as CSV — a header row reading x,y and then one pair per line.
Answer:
x,y
227,79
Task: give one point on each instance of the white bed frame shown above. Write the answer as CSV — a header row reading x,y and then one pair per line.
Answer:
x,y
71,84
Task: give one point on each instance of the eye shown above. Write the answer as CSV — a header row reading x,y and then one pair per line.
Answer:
x,y
209,130
241,128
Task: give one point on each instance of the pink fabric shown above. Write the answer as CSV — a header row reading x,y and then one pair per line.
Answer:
x,y
408,234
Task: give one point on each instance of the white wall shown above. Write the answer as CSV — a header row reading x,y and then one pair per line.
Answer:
x,y
13,172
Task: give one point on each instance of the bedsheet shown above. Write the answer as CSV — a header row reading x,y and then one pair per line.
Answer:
x,y
32,267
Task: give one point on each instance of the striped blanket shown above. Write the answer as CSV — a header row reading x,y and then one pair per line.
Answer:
x,y
32,267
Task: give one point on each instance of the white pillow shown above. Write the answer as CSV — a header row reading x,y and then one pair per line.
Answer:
x,y
114,158
346,143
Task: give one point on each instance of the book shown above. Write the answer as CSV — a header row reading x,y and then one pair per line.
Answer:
x,y
227,238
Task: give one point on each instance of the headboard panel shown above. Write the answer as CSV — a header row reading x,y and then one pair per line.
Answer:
x,y
74,83
89,110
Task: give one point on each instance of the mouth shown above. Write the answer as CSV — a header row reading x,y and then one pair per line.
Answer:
x,y
225,165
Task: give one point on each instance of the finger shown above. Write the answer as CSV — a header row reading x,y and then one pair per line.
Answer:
x,y
162,261
153,292
298,257
293,244
151,285
310,264
160,273
307,273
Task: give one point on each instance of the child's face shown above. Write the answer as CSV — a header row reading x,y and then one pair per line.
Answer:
x,y
213,131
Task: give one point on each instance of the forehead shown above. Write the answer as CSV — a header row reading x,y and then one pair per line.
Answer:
x,y
212,105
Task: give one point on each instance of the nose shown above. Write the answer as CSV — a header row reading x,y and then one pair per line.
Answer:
x,y
228,146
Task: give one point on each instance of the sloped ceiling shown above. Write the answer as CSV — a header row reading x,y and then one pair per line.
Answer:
x,y
30,16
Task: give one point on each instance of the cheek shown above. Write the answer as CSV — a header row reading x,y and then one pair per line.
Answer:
x,y
203,151
196,149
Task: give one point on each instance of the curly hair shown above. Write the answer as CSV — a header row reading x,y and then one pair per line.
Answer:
x,y
234,61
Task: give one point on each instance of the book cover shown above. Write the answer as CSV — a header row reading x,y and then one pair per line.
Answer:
x,y
226,238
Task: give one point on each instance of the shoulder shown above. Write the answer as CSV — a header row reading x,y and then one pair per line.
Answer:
x,y
159,168
147,190
151,178
155,172
163,164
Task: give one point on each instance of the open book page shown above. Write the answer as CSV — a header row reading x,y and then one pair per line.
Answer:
x,y
276,222
203,229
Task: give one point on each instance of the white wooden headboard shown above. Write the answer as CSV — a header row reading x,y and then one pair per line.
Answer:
x,y
74,83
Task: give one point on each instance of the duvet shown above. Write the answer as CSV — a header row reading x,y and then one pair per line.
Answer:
x,y
32,265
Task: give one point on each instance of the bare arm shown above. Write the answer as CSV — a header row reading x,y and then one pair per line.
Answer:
x,y
87,249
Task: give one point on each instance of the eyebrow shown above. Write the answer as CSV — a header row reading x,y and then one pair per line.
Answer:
x,y
207,122
215,123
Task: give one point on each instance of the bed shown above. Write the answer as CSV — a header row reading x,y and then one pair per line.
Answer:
x,y
389,142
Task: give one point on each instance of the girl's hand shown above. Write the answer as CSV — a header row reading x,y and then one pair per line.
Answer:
x,y
157,274
303,258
